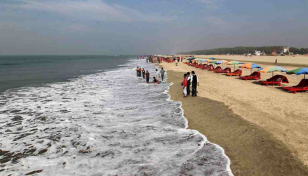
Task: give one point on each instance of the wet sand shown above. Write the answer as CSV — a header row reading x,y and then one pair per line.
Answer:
x,y
261,132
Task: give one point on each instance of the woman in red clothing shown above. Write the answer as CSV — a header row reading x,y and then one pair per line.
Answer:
x,y
185,85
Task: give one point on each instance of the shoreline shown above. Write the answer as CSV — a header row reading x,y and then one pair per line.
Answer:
x,y
251,149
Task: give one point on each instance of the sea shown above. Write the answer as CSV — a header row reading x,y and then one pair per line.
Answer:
x,y
92,116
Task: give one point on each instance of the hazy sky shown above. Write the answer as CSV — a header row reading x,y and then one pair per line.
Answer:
x,y
148,26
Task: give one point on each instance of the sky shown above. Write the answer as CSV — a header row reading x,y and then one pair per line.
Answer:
x,y
109,27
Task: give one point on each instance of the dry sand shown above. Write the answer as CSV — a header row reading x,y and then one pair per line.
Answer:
x,y
263,129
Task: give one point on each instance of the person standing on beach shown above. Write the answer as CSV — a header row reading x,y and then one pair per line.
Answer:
x,y
143,73
176,62
276,61
147,76
188,83
185,85
157,74
162,72
194,81
137,69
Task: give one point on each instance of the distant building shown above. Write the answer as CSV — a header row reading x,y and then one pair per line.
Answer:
x,y
286,49
257,53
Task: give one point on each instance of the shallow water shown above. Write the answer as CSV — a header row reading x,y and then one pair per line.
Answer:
x,y
109,123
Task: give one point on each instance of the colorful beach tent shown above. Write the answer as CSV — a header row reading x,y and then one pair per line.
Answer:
x,y
273,69
299,71
221,62
212,58
235,63
250,66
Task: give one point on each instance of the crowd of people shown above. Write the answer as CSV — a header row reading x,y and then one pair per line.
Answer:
x,y
146,75
189,83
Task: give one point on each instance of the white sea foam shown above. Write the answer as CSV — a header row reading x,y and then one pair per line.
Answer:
x,y
110,123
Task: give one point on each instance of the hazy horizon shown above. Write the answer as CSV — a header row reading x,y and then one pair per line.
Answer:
x,y
118,27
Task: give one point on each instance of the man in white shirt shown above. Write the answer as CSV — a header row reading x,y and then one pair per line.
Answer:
x,y
157,74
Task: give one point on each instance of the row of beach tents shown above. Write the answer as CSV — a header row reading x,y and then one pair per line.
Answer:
x,y
277,79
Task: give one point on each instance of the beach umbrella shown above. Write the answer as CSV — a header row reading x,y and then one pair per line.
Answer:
x,y
299,71
191,58
235,63
250,66
221,62
213,62
273,69
202,60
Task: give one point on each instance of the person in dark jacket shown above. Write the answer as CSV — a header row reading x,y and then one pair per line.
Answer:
x,y
147,76
194,83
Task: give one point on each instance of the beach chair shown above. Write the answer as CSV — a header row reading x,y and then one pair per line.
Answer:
x,y
226,70
302,86
254,76
217,69
202,66
205,66
275,80
237,72
199,66
211,67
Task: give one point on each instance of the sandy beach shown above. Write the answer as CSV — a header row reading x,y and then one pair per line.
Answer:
x,y
262,129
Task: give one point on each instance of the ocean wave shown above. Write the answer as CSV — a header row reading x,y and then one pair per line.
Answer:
x,y
109,123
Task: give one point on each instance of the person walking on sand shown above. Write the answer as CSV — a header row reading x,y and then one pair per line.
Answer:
x,y
188,83
147,76
194,81
176,62
143,73
185,85
162,72
276,61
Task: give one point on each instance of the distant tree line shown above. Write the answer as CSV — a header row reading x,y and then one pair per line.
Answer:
x,y
240,50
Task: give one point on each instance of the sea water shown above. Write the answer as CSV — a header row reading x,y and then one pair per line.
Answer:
x,y
108,123
19,71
